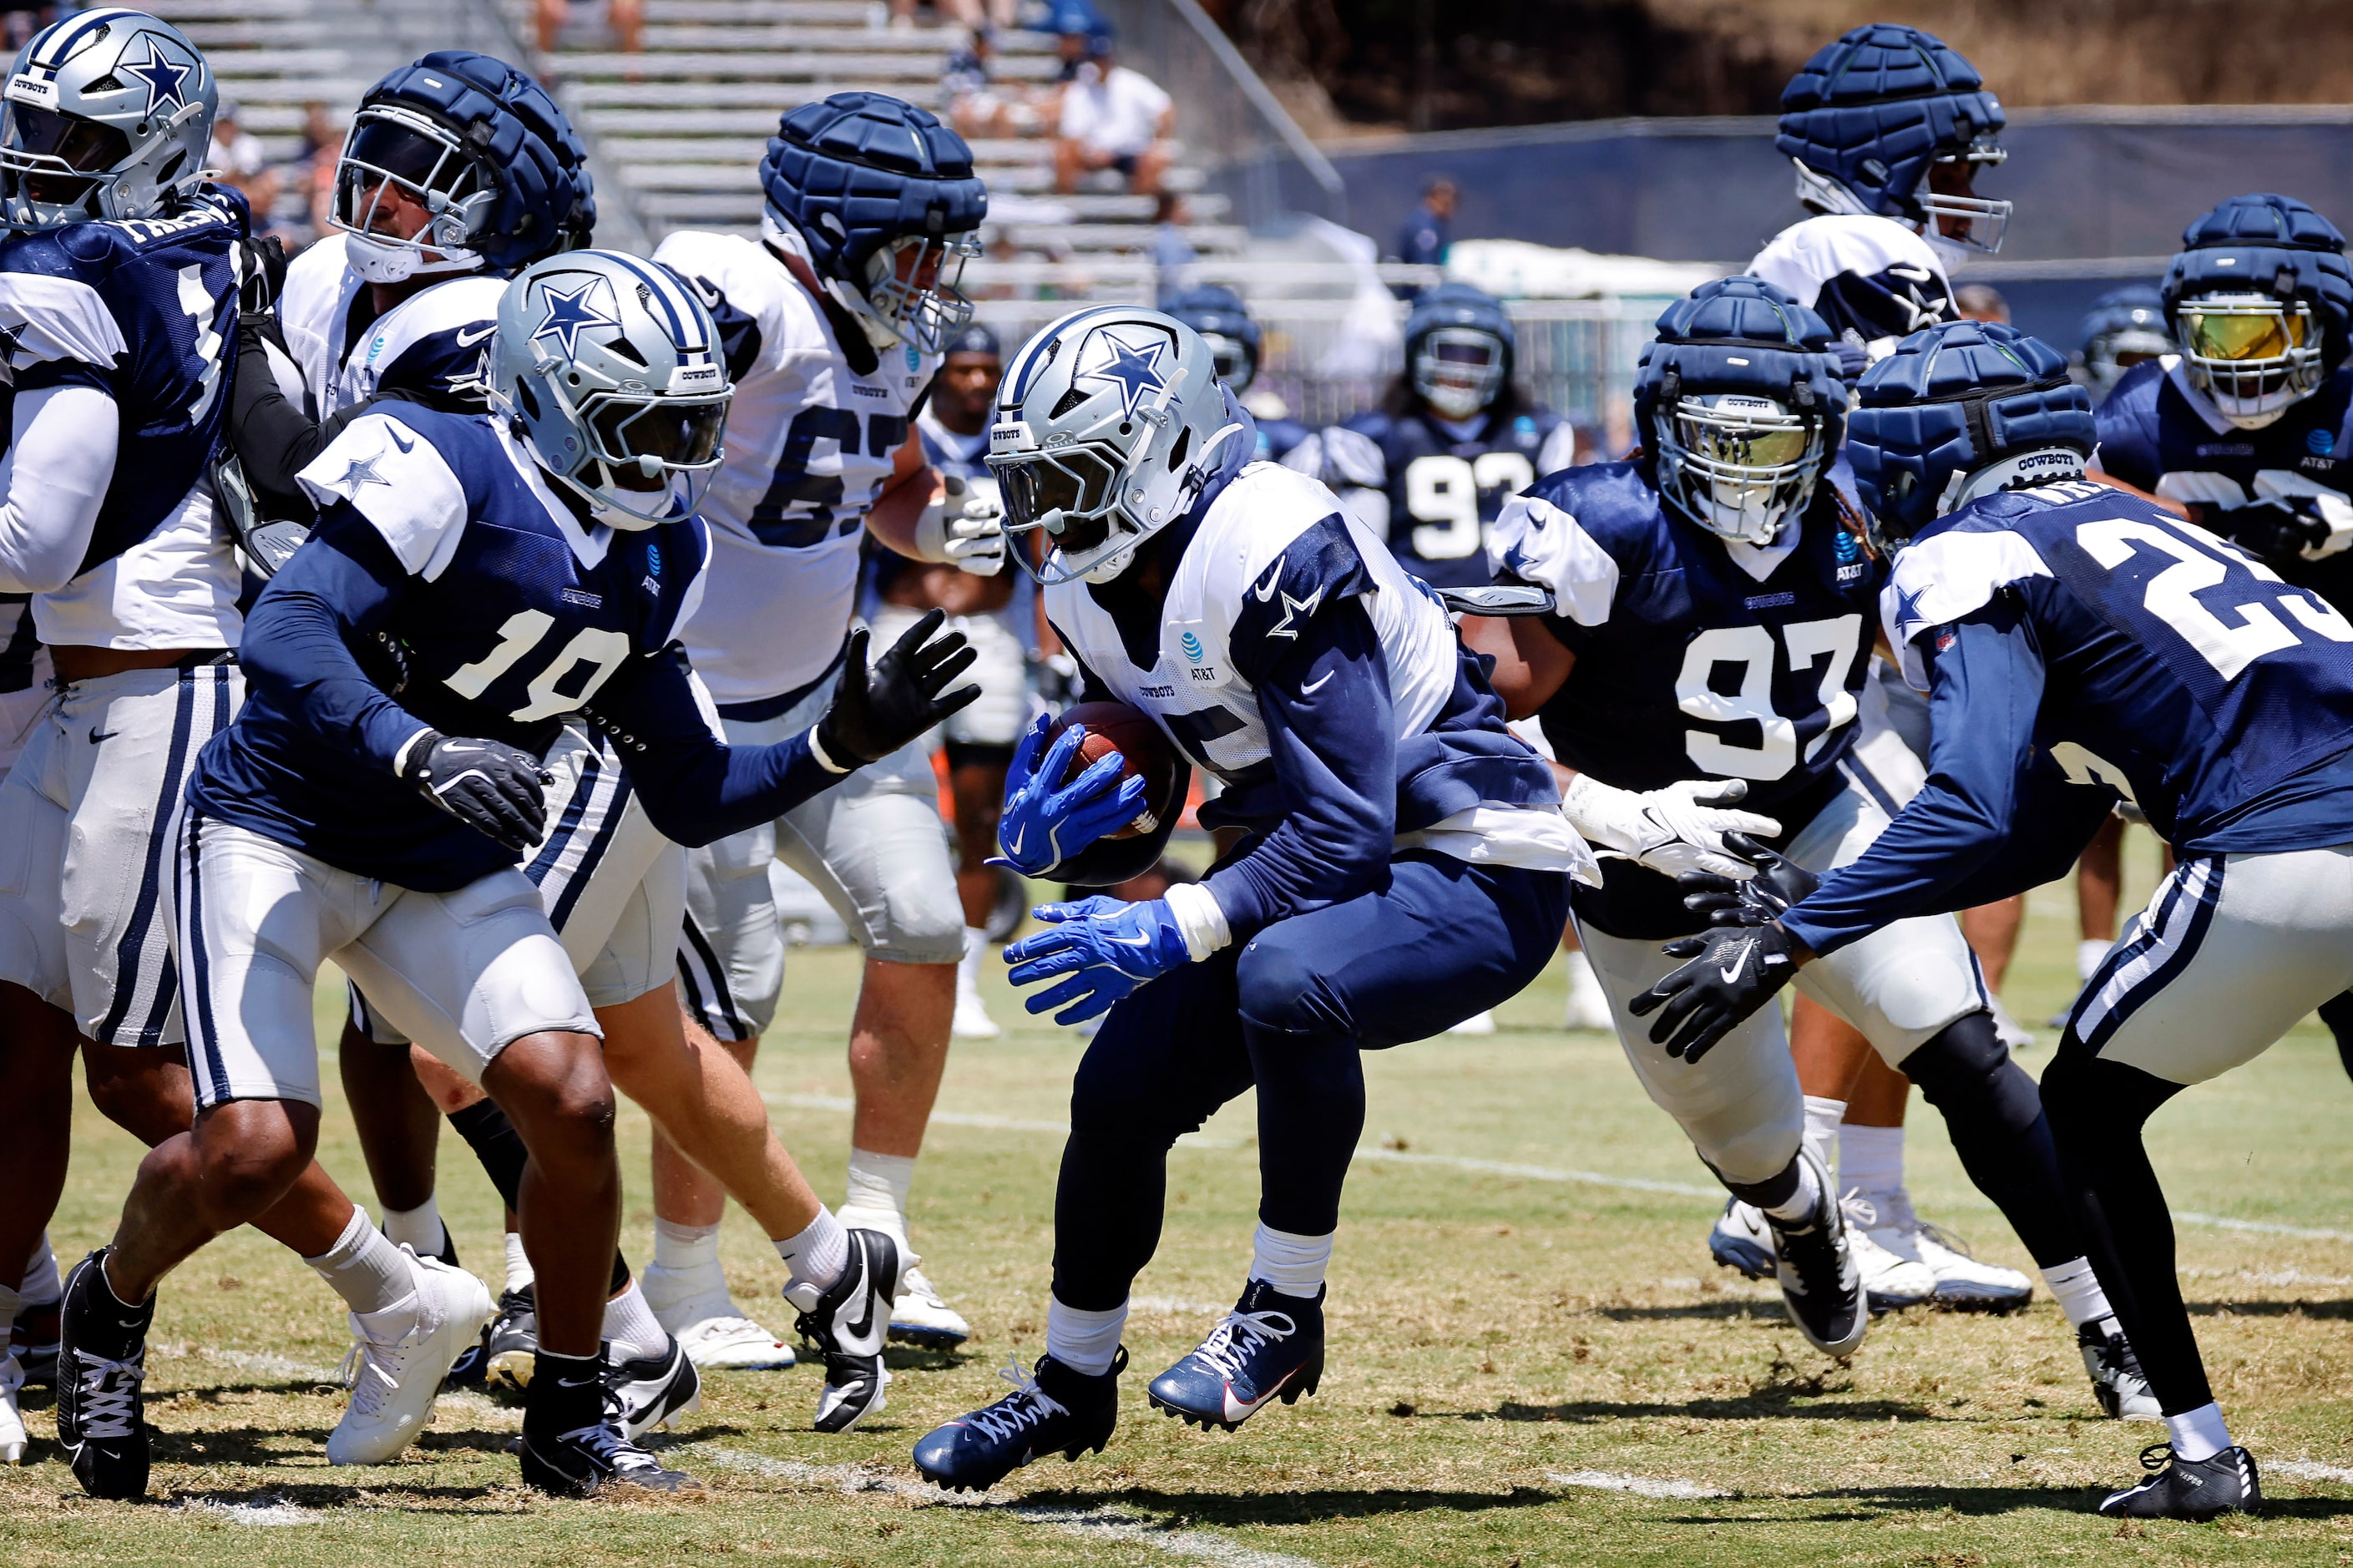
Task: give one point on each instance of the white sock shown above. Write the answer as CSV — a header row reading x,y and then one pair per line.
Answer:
x,y
976,944
418,1229
2090,953
43,1287
816,1257
1822,1119
685,1248
2198,1433
629,1324
1801,1202
877,1198
519,1270
1084,1341
1580,970
364,1269
1871,1158
1293,1263
2077,1291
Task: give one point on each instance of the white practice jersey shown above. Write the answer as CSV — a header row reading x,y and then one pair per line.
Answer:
x,y
1192,688
1870,277
432,346
810,443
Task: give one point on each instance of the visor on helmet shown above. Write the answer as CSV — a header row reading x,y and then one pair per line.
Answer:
x,y
2252,354
1232,355
393,152
676,434
1738,465
1459,370
912,284
1069,492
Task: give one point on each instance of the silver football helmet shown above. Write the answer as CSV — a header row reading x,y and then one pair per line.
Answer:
x,y
1109,425
106,114
609,369
1738,465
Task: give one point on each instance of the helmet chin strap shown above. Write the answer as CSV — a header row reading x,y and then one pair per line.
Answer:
x,y
378,262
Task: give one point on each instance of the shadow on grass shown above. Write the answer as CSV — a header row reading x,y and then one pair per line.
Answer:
x,y
1177,1510
2338,1310
377,1496
1762,1309
1865,1504
915,1358
1763,1405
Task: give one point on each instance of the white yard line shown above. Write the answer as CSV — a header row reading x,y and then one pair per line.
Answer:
x,y
2307,1470
257,1362
1090,1523
1640,1485
1502,1167
265,1511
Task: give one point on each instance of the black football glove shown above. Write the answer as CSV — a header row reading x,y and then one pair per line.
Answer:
x,y
488,786
261,273
2277,528
1730,973
876,713
1754,901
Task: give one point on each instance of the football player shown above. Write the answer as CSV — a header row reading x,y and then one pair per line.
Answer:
x,y
1430,469
118,317
2124,327
997,615
2084,646
1703,675
1407,864
2248,430
1225,324
834,321
374,813
1886,127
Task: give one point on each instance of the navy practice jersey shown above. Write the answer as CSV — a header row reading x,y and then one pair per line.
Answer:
x,y
1433,498
2159,433
2073,635
144,311
480,605
1696,658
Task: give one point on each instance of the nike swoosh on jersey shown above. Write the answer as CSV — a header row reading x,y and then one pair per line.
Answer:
x,y
1274,581
468,339
405,446
1313,686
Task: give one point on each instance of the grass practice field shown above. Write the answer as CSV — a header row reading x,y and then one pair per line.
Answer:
x,y
1528,1365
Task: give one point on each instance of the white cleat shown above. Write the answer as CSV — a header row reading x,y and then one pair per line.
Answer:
x,y
1480,1023
919,1318
1963,1281
695,1306
1589,1005
972,1021
398,1359
2013,1035
1892,1281
12,1420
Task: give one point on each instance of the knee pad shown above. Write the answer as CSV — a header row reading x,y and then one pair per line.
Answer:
x,y
1965,1065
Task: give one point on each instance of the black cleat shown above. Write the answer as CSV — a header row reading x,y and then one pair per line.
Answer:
x,y
1820,1283
572,1443
510,1345
2118,1380
1055,1410
849,1322
2189,1489
1269,1347
101,1361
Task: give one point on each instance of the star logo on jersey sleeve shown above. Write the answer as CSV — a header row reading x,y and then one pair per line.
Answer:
x,y
569,315
165,78
358,473
1132,368
1907,612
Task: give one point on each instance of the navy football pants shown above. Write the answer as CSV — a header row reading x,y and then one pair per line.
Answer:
x,y
1288,1012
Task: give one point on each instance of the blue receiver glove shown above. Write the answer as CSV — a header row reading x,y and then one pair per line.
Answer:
x,y
1107,949
1042,825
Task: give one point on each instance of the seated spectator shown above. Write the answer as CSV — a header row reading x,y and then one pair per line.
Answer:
x,y
980,106
240,160
1981,303
627,18
1112,118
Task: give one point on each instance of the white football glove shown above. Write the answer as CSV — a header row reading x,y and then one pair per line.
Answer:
x,y
963,529
1671,830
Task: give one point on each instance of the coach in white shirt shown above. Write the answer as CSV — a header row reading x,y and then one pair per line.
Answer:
x,y
1112,118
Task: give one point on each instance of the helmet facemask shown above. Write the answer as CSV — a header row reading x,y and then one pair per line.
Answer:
x,y
1236,366
1956,217
1458,371
394,152
2254,355
1072,494
1737,465
910,288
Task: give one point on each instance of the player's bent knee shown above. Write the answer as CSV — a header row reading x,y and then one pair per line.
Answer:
x,y
1284,990
1965,1067
143,1089
250,1151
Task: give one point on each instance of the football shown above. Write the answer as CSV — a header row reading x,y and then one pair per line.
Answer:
x,y
1114,729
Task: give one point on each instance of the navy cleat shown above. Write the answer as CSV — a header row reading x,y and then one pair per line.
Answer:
x,y
1822,1284
573,1444
1270,1346
101,1361
1056,1410
2189,1489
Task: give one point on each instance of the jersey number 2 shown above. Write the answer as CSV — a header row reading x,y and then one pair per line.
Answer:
x,y
1834,643
2172,596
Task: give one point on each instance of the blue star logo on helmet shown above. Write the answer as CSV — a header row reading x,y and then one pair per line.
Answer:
x,y
166,79
569,313
1192,647
1134,368
2320,443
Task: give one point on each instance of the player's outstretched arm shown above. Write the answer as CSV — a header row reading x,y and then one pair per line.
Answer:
x,y
698,789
